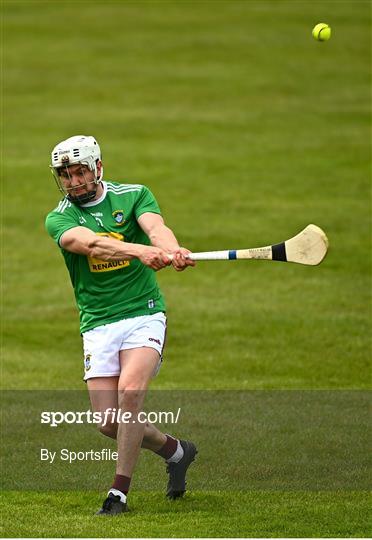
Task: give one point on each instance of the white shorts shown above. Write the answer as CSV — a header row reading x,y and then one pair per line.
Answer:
x,y
103,344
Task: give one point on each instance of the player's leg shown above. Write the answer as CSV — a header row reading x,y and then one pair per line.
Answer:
x,y
137,368
146,335
153,438
103,394
178,455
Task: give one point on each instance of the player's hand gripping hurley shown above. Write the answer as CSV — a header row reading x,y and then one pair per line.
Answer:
x,y
307,247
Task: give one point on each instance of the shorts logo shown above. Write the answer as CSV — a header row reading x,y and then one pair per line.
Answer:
x,y
155,340
87,362
118,216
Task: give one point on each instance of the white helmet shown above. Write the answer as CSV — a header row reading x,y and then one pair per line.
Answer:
x,y
78,149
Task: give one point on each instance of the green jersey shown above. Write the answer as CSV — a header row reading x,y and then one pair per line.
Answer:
x,y
105,291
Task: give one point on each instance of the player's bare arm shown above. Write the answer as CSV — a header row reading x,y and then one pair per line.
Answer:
x,y
83,241
163,237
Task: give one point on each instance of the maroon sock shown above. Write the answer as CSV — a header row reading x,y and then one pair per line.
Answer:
x,y
168,448
121,483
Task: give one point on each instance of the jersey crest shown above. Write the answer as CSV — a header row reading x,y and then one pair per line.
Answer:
x,y
118,216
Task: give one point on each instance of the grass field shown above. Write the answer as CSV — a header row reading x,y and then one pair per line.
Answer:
x,y
246,129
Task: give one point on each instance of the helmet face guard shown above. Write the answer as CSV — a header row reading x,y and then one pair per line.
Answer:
x,y
78,150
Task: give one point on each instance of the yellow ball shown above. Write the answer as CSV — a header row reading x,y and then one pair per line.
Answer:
x,y
322,32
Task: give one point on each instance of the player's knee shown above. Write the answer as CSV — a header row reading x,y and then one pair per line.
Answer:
x,y
131,398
